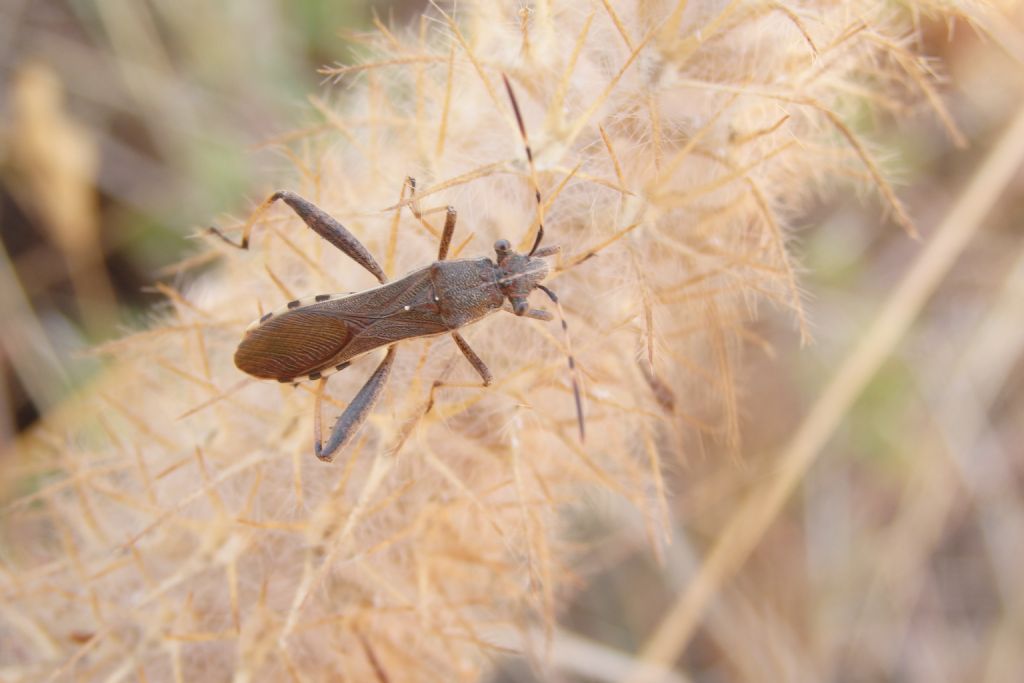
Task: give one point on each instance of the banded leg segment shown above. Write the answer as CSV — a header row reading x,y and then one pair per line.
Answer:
x,y
355,414
321,223
533,167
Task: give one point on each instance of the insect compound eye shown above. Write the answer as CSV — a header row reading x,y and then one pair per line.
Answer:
x,y
502,246
519,306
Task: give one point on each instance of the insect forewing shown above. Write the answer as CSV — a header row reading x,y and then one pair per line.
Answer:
x,y
296,343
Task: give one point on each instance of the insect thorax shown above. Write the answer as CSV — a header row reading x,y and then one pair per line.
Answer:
x,y
467,290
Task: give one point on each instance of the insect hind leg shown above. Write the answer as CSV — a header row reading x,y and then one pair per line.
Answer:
x,y
355,414
249,224
320,222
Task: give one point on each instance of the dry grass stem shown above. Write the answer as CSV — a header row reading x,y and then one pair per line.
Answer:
x,y
750,522
170,522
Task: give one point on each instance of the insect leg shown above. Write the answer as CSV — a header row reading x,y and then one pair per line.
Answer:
x,y
331,230
446,236
356,413
449,222
473,359
321,223
574,373
547,251
414,204
535,313
247,228
318,416
533,168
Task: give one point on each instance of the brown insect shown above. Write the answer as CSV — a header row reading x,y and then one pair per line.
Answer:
x,y
312,338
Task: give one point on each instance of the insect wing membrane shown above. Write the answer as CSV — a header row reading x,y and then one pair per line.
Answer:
x,y
296,343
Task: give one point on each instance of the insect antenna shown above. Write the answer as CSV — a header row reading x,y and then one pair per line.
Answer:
x,y
533,167
573,371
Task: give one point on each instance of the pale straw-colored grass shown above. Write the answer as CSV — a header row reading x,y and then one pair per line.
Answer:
x,y
177,525
756,514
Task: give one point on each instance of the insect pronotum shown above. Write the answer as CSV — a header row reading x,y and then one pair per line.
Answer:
x,y
314,337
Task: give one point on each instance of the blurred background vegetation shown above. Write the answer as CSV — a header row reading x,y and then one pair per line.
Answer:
x,y
127,126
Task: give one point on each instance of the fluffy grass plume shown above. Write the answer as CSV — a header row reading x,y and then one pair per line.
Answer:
x,y
172,523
